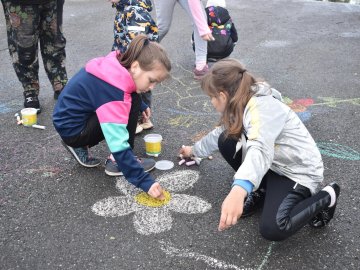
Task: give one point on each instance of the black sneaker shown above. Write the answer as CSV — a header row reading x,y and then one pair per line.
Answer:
x,y
32,101
324,217
57,94
253,202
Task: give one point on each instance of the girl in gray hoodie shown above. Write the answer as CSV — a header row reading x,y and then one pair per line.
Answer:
x,y
278,165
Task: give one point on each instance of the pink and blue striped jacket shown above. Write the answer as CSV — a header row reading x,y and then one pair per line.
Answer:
x,y
104,87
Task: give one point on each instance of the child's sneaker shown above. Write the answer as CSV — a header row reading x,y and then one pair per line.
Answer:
x,y
32,101
111,167
81,154
139,129
324,217
147,125
253,202
198,74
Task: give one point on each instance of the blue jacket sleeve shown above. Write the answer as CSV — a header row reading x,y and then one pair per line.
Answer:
x,y
143,106
132,170
245,184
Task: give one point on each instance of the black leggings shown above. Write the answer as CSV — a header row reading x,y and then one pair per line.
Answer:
x,y
288,206
92,134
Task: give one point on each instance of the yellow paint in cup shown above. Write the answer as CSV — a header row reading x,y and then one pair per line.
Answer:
x,y
153,144
29,116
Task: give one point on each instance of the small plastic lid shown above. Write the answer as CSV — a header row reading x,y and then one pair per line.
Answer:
x,y
28,111
164,165
153,138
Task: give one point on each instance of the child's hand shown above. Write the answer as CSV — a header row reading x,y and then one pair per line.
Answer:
x,y
156,191
232,208
185,151
208,37
146,114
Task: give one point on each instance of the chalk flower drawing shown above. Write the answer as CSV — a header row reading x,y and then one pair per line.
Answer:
x,y
154,216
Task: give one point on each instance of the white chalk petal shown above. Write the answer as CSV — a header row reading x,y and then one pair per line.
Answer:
x,y
115,206
187,204
152,220
179,180
125,187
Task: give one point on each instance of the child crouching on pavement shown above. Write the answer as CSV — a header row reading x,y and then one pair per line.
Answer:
x,y
223,31
278,165
102,101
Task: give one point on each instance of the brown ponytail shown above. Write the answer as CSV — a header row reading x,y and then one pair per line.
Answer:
x,y
230,77
147,53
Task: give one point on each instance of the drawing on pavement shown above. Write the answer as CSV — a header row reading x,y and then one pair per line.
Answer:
x,y
192,105
170,250
154,216
46,171
338,151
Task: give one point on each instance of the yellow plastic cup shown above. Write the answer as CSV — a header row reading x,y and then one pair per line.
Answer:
x,y
153,144
29,116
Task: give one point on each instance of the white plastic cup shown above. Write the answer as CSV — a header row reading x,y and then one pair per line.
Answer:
x,y
153,144
29,116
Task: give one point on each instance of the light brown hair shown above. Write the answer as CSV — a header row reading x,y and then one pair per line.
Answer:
x,y
230,77
147,53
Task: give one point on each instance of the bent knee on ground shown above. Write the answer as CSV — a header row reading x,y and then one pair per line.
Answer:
x,y
272,232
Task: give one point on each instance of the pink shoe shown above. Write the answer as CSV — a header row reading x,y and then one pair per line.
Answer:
x,y
198,74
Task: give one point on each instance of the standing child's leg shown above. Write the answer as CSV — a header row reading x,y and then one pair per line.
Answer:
x,y
52,45
22,23
201,67
164,14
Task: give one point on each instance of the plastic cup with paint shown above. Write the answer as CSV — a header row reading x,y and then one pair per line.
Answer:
x,y
29,116
153,144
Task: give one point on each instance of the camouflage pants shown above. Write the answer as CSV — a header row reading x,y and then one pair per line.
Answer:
x,y
26,25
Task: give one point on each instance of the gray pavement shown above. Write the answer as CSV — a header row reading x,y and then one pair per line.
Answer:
x,y
48,203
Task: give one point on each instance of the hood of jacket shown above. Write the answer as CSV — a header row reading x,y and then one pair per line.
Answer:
x,y
264,89
217,15
109,69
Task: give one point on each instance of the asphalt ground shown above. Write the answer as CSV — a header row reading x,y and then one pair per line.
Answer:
x,y
55,214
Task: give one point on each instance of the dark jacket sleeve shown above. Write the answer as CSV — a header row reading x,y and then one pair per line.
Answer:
x,y
132,170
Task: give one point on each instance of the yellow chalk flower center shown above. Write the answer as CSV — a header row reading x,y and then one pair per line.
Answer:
x,y
145,199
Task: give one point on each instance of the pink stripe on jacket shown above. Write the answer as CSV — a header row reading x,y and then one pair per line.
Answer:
x,y
198,13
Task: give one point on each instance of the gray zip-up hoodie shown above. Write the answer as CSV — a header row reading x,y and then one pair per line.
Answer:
x,y
277,140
